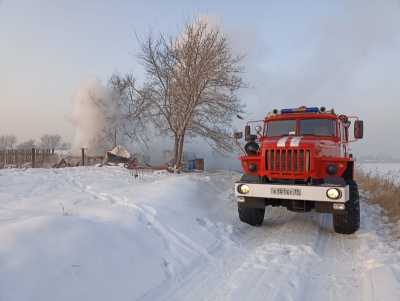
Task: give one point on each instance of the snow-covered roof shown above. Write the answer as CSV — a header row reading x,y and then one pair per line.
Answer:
x,y
120,151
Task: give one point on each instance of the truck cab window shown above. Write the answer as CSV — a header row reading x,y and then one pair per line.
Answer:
x,y
317,127
281,128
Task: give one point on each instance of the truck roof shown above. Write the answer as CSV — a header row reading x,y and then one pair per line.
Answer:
x,y
301,113
301,116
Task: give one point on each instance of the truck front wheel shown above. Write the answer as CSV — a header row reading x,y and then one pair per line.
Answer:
x,y
251,216
348,221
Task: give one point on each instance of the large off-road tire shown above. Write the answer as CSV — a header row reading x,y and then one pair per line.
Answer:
x,y
249,215
348,222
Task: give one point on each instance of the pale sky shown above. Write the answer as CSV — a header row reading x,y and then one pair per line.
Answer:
x,y
342,54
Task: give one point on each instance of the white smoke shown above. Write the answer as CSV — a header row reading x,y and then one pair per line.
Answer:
x,y
93,108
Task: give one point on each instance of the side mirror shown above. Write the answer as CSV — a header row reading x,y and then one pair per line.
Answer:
x,y
358,129
238,135
247,132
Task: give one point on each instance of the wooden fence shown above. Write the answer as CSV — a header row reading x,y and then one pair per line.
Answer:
x,y
14,158
44,158
84,160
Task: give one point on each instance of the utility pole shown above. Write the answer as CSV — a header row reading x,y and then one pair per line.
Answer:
x,y
83,156
33,158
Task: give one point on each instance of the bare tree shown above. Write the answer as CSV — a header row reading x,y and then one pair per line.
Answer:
x,y
193,80
50,142
29,144
132,108
7,141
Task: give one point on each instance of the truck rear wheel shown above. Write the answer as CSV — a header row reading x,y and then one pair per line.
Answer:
x,y
348,222
251,216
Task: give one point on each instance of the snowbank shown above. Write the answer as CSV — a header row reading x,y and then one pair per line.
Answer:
x,y
102,234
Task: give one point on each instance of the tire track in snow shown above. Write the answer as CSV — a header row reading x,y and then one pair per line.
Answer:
x,y
181,249
174,242
271,270
217,280
292,257
330,279
299,258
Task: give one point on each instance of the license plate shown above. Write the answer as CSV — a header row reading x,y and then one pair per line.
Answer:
x,y
286,191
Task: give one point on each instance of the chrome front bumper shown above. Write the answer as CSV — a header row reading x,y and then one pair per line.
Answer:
x,y
292,192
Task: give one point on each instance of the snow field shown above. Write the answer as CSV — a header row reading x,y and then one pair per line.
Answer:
x,y
100,234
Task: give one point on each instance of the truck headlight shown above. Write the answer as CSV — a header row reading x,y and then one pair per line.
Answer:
x,y
243,189
333,193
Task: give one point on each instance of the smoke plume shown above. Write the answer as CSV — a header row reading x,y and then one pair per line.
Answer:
x,y
93,104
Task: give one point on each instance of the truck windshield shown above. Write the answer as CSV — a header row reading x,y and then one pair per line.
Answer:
x,y
281,128
317,127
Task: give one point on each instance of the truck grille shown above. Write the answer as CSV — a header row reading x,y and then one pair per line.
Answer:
x,y
288,162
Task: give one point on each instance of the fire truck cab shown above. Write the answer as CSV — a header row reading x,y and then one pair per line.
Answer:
x,y
300,159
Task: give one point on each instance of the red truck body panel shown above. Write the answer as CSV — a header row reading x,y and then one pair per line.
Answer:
x,y
296,157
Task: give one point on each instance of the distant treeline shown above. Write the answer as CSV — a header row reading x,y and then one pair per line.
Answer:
x,y
52,142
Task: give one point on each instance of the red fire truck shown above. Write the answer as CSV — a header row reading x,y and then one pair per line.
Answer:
x,y
300,159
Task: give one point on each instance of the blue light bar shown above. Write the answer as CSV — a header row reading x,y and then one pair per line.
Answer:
x,y
312,110
300,110
287,111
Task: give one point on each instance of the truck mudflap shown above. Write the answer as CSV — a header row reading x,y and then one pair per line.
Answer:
x,y
320,193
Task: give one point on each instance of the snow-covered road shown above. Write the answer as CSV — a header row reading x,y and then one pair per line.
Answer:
x,y
101,234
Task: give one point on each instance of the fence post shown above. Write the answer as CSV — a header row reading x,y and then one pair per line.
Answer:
x,y
33,157
83,156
